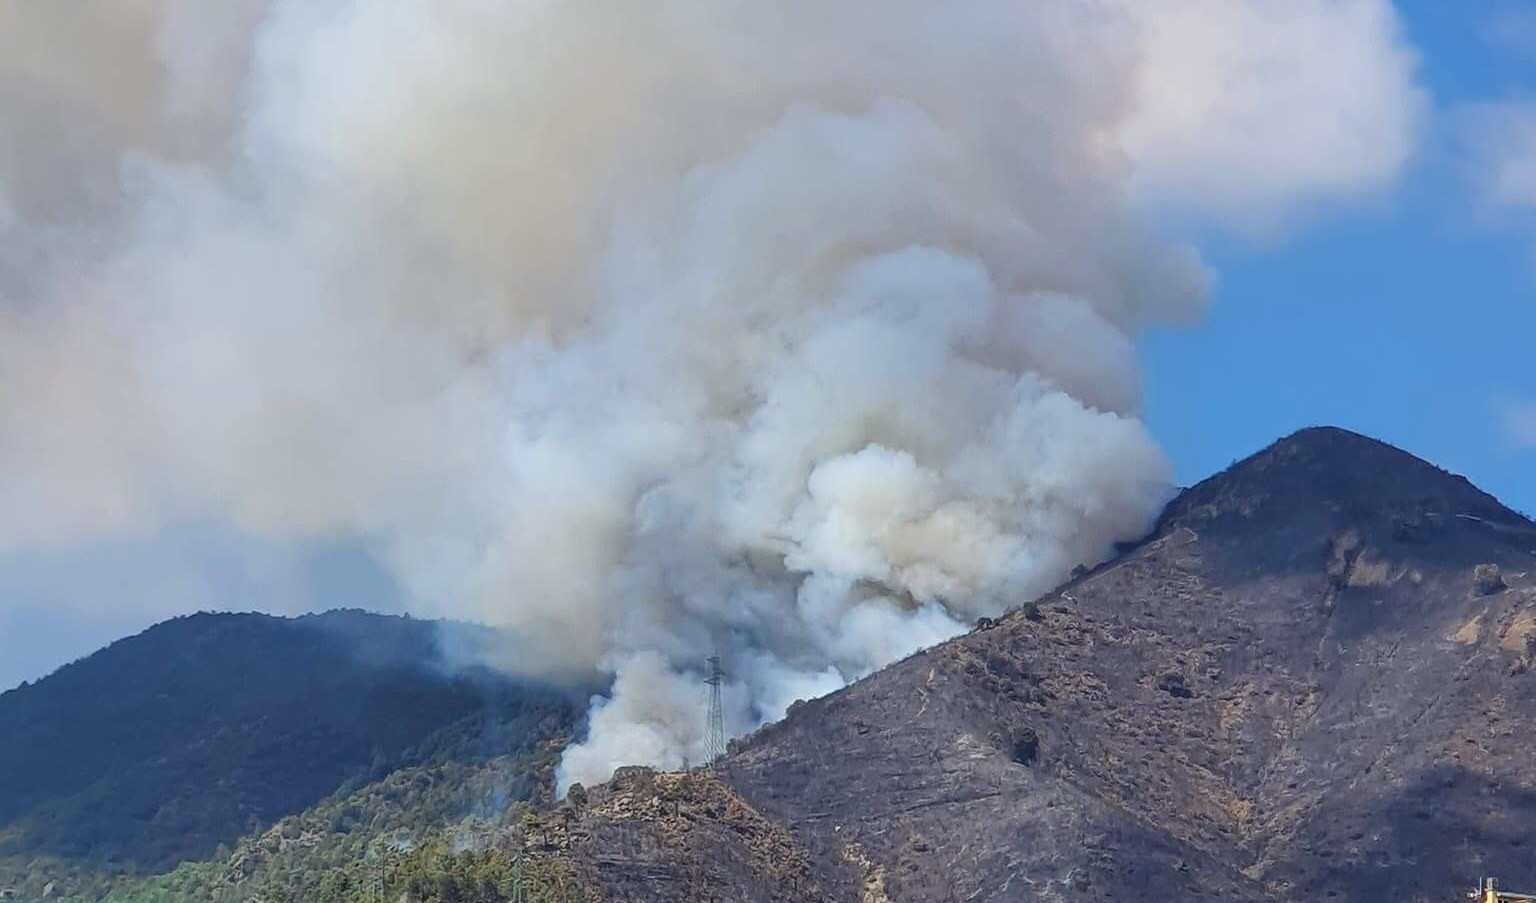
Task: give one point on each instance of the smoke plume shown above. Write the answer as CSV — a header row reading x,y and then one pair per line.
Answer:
x,y
804,331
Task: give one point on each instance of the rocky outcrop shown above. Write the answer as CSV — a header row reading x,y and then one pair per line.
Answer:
x,y
650,836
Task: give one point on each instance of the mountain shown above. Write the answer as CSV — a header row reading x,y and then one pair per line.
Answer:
x,y
204,729
1312,681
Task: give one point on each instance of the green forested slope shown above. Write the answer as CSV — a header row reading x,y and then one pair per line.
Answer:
x,y
207,733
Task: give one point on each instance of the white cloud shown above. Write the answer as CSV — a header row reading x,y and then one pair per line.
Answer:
x,y
1248,112
1520,423
1511,27
1504,152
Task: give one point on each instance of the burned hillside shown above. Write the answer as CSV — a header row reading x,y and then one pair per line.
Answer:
x,y
1311,681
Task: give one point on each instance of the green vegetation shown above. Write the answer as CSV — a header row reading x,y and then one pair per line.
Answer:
x,y
247,759
407,835
446,831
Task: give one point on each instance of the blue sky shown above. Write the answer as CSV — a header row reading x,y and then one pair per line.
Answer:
x,y
1408,315
1410,318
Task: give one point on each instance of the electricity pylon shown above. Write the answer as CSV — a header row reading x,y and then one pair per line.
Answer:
x,y
714,740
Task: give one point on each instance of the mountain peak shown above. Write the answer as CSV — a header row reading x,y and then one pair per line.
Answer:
x,y
1327,469
1318,669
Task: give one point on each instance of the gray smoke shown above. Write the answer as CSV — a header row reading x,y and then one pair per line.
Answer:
x,y
800,330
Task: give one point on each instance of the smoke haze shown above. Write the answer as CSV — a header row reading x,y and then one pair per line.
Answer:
x,y
804,331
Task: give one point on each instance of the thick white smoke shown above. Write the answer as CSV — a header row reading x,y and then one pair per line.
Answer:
x,y
800,330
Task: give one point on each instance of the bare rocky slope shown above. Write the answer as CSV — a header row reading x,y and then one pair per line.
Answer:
x,y
1313,681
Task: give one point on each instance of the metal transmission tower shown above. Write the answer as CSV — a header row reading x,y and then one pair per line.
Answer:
x,y
714,738
519,893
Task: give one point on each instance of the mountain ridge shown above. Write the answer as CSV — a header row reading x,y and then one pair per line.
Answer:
x,y
163,746
1315,679
1247,705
